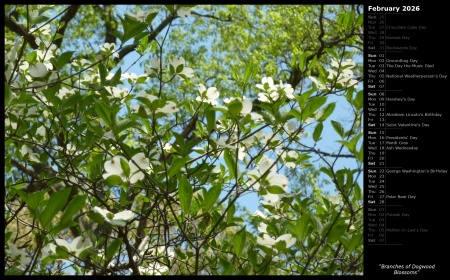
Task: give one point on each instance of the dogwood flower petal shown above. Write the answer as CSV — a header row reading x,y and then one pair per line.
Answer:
x,y
183,12
288,238
265,240
170,107
113,166
118,219
123,216
262,227
247,106
39,70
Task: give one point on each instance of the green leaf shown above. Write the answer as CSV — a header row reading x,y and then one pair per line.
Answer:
x,y
302,59
340,176
176,165
345,240
359,100
179,68
317,132
143,45
336,232
281,246
115,80
227,266
230,212
253,257
210,119
7,236
14,271
125,167
146,102
239,241
220,109
355,241
245,120
103,111
95,127
76,204
125,124
62,226
48,259
56,202
131,28
317,224
96,217
351,144
229,160
63,59
170,8
33,199
50,94
32,57
180,140
39,19
103,73
138,32
112,248
275,190
360,154
113,180
62,252
312,106
301,227
211,197
8,95
248,72
151,17
332,52
327,171
185,192
303,98
338,128
142,113
327,112
117,34
348,20
296,113
234,108
357,191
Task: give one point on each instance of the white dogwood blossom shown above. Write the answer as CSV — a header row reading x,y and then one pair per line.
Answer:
x,y
119,219
210,96
185,72
76,247
18,254
108,48
39,70
272,92
170,107
268,241
184,12
114,167
266,167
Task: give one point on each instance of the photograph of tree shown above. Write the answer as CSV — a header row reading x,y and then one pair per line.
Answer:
x,y
183,140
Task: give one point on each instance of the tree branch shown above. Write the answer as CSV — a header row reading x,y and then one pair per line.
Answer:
x,y
323,153
67,17
229,19
127,49
20,30
109,19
